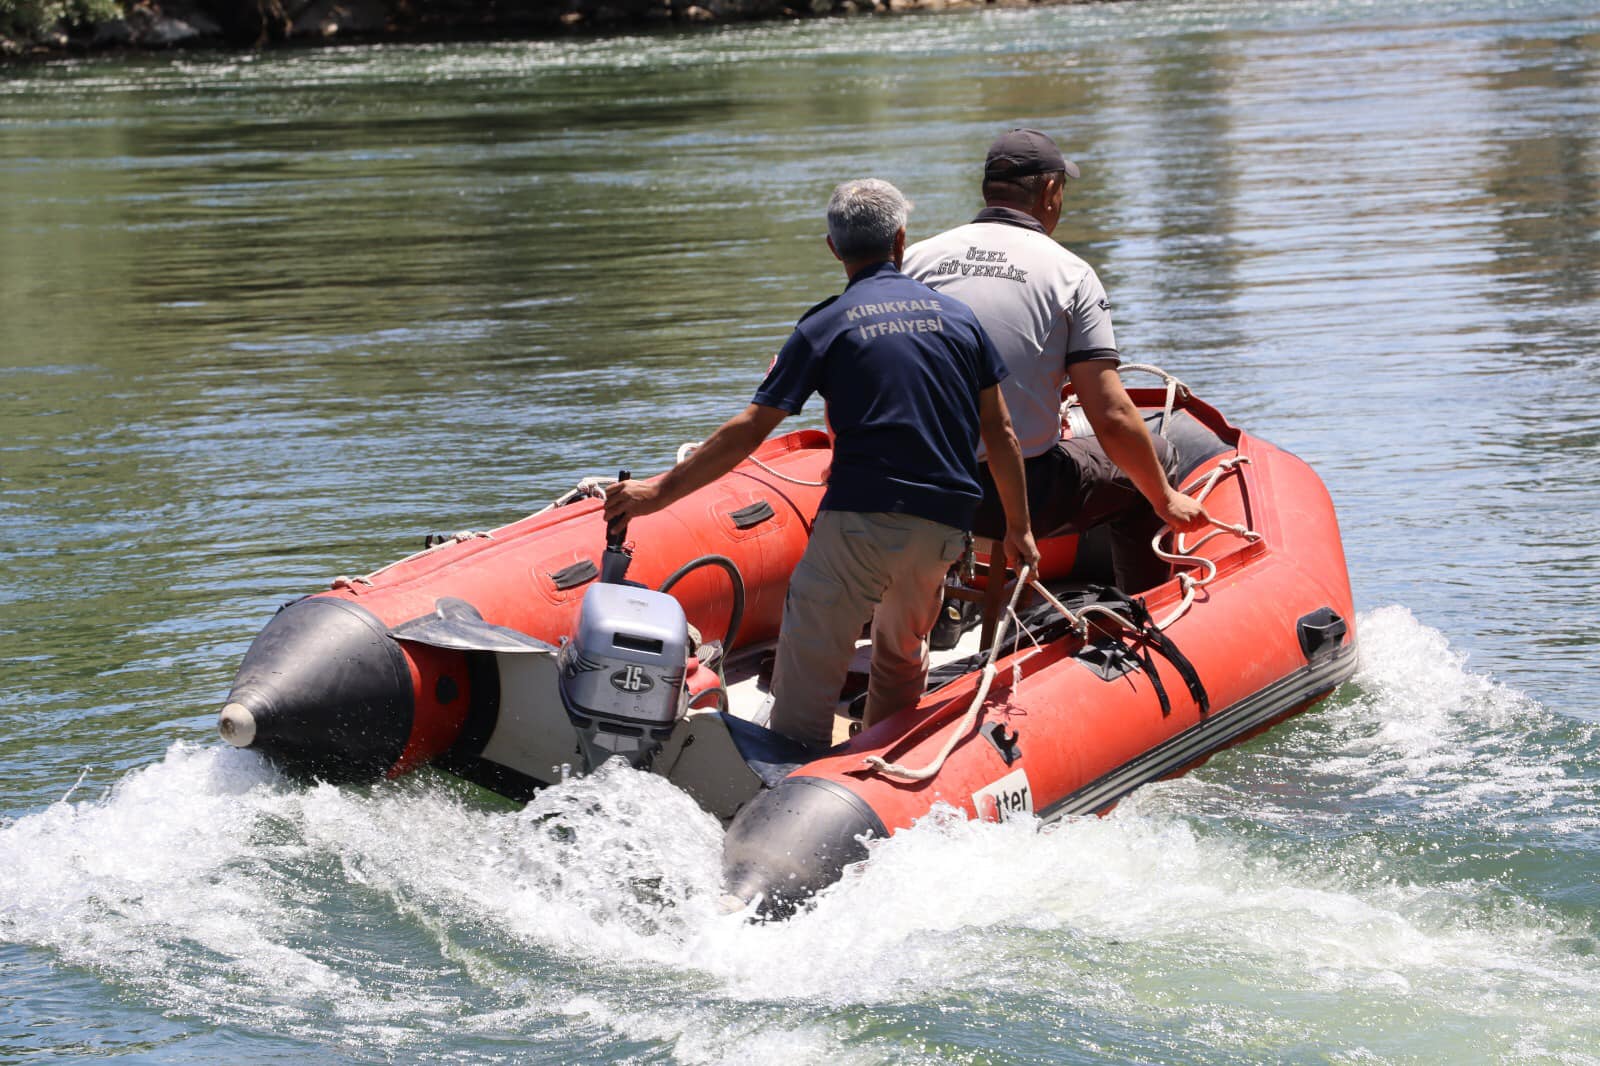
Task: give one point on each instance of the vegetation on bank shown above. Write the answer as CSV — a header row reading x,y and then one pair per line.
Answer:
x,y
33,18
95,25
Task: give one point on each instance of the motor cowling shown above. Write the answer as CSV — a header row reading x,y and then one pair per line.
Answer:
x,y
622,673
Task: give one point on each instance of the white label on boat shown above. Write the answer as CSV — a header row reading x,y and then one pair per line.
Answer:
x,y
1008,797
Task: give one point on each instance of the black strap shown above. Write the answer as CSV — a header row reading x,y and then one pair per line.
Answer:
x,y
1141,655
1150,635
1138,646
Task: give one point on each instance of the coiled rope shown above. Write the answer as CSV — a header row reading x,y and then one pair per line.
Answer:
x,y
1183,555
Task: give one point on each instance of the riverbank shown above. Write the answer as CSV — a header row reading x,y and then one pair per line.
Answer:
x,y
46,28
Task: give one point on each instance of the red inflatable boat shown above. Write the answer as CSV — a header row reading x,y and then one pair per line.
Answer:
x,y
505,658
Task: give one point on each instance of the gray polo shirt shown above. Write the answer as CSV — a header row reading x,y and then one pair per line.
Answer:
x,y
1043,307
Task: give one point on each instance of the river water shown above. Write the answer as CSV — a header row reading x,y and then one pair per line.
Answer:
x,y
270,319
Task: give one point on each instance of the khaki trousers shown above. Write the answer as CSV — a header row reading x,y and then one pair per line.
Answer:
x,y
889,567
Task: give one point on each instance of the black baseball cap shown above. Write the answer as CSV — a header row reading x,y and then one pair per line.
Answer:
x,y
1020,152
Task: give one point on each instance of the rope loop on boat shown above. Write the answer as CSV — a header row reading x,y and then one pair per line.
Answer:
x,y
889,769
589,488
432,542
1176,390
1183,554
687,449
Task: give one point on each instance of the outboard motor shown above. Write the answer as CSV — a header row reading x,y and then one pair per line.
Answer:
x,y
622,672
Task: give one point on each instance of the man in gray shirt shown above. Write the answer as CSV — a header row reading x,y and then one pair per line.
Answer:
x,y
1048,316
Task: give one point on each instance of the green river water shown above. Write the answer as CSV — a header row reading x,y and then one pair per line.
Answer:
x,y
267,319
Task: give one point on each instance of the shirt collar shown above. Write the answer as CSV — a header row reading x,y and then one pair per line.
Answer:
x,y
885,267
1009,216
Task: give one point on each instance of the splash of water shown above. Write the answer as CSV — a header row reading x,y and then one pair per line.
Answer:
x,y
1198,910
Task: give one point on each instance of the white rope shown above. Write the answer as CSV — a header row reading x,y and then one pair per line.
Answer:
x,y
593,488
687,449
889,769
1176,390
1183,555
1076,620
454,538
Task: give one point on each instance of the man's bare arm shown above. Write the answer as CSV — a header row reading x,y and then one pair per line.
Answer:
x,y
1127,441
725,449
1010,480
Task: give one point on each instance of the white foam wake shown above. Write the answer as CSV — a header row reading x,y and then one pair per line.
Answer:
x,y
1207,911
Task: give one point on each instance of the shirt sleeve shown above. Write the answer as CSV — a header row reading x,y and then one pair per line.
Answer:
x,y
992,370
1089,334
793,377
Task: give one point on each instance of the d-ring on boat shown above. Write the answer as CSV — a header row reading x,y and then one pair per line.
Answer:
x,y
515,656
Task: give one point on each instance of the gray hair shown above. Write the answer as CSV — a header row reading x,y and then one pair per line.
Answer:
x,y
863,217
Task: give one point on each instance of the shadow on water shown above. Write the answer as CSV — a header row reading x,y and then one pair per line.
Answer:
x,y
1544,184
1541,180
1170,201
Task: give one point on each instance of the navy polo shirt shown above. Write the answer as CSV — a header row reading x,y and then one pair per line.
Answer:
x,y
900,367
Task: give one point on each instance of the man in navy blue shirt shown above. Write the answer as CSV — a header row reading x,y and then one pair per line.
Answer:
x,y
912,384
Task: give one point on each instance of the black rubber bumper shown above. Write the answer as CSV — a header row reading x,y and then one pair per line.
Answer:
x,y
793,841
328,690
